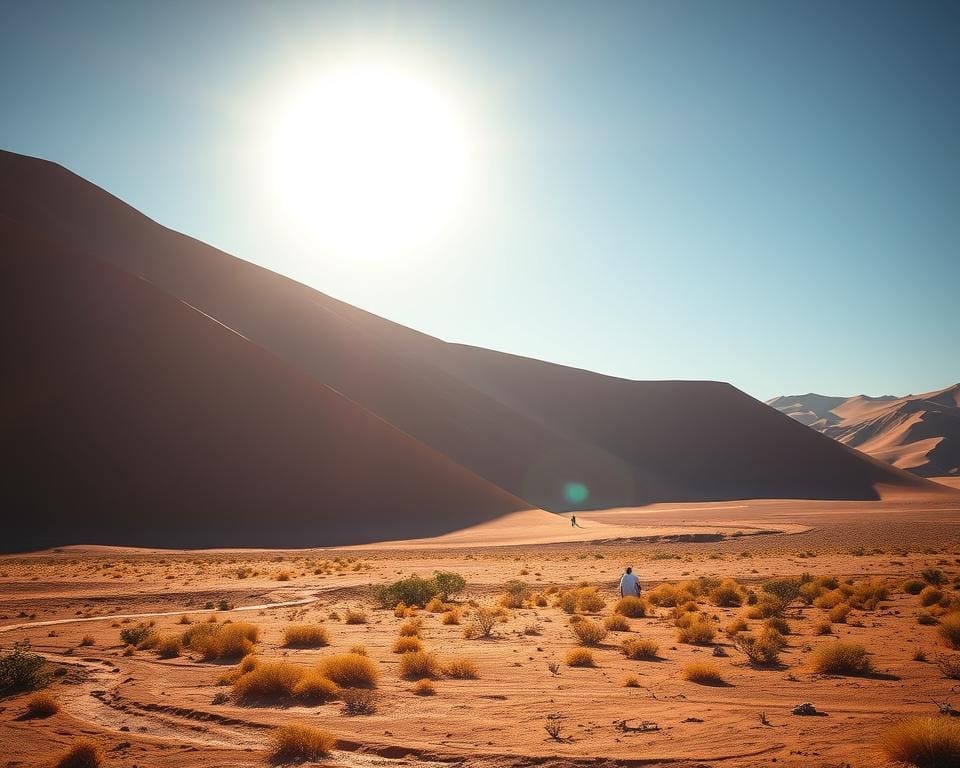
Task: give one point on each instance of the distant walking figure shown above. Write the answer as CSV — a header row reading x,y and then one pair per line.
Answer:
x,y
629,584
573,520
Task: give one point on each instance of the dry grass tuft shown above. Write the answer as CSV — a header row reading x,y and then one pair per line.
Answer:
x,y
83,753
301,742
407,645
424,687
949,630
727,594
616,623
579,657
930,596
221,641
926,742
42,705
702,672
306,636
315,688
268,680
589,632
581,600
355,617
838,614
697,631
169,646
841,657
419,664
451,617
631,607
461,668
763,648
411,628
640,648
350,670
631,681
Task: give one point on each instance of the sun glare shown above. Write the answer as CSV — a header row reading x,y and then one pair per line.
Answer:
x,y
371,160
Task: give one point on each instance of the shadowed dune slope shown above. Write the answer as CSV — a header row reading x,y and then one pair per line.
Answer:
x,y
132,418
529,427
919,433
687,440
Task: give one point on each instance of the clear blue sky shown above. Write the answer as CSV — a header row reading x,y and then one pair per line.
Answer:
x,y
759,192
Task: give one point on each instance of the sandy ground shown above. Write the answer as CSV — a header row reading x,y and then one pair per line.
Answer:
x,y
146,711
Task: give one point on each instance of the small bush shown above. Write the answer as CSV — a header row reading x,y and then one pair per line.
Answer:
x,y
927,619
484,621
913,586
699,632
315,688
640,648
411,628
360,650
139,636
631,681
86,641
418,591
221,641
841,657
727,594
461,668
930,596
268,680
407,645
784,590
350,670
702,672
516,593
579,657
838,614
735,627
21,670
823,628
763,648
669,595
42,705
419,664
949,630
866,595
449,584
355,617
926,742
169,646
83,753
581,600
949,666
358,701
933,576
424,687
300,742
589,632
436,605
631,607
306,636
779,624
451,617
616,623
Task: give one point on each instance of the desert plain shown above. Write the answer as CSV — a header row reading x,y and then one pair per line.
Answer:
x,y
892,565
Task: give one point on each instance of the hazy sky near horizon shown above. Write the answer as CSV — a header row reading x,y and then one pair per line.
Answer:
x,y
765,193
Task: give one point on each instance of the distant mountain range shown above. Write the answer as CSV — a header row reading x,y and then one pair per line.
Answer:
x,y
161,392
919,433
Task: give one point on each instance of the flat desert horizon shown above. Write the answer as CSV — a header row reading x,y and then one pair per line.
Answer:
x,y
409,385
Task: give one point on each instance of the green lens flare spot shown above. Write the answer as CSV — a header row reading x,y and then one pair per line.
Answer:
x,y
575,493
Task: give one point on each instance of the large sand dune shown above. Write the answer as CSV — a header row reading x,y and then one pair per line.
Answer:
x,y
267,382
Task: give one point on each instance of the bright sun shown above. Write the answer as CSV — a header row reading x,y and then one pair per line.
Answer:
x,y
371,159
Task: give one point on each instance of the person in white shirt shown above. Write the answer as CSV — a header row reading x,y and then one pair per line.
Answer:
x,y
629,584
